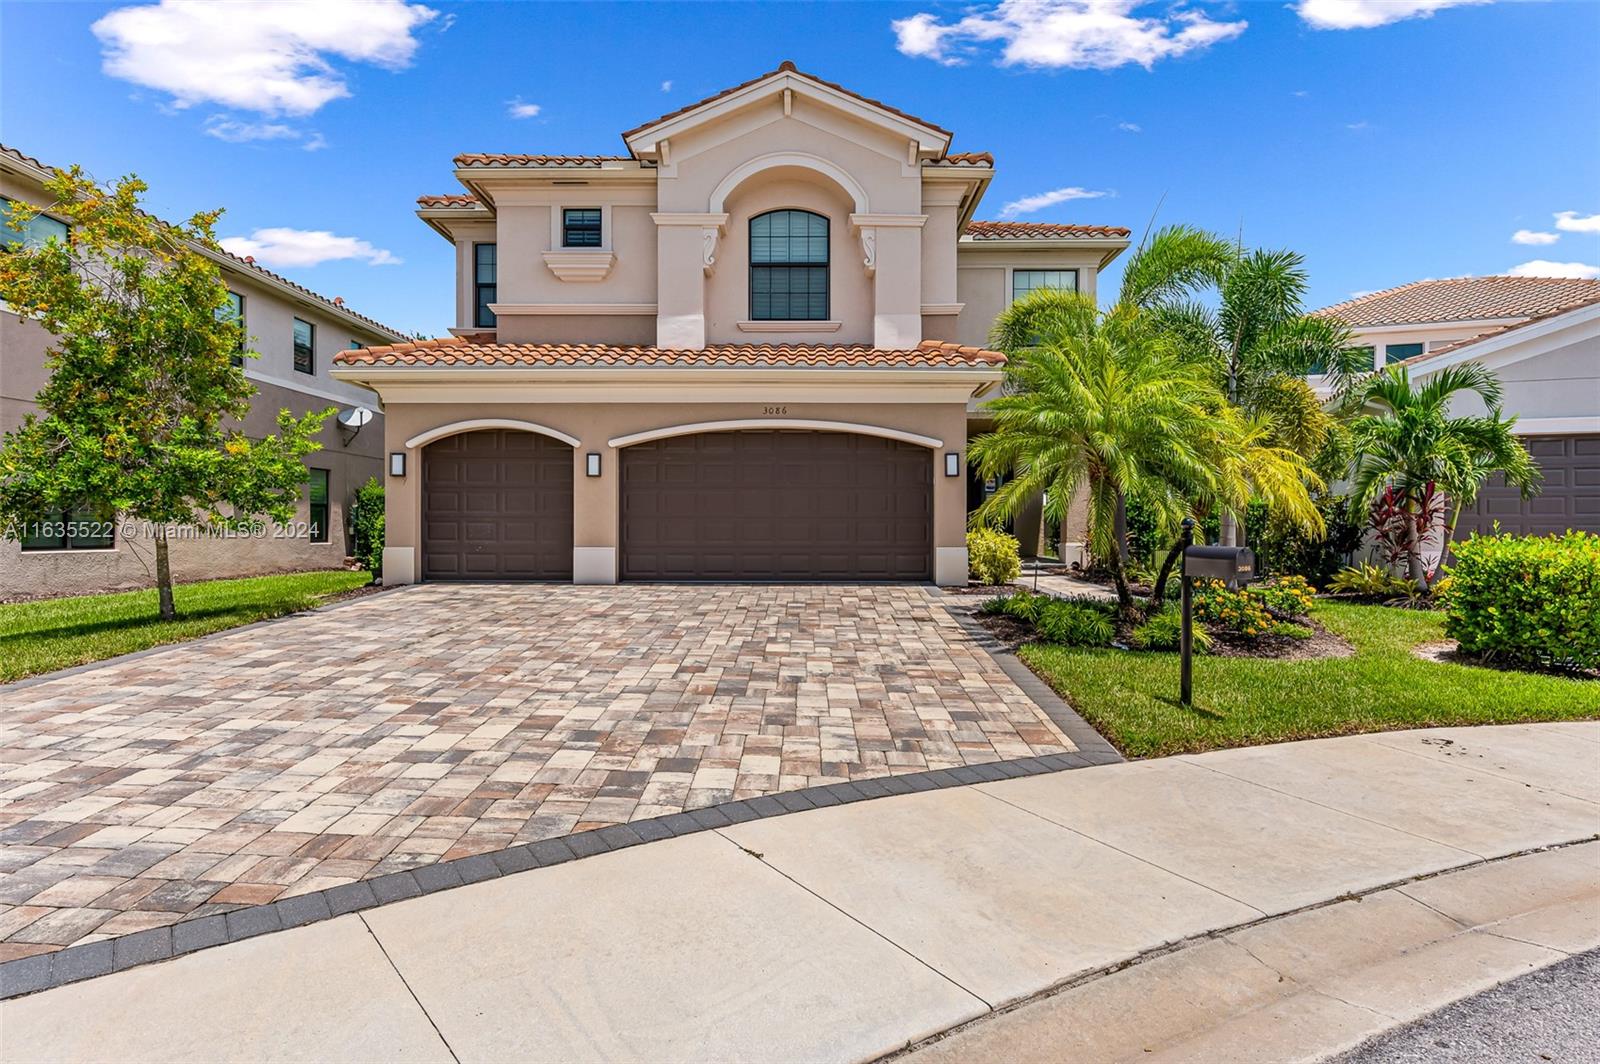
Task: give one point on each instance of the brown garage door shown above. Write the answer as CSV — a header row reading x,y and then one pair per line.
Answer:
x,y
777,505
1569,496
497,505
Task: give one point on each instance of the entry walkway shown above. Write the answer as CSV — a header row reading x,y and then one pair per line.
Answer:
x,y
850,932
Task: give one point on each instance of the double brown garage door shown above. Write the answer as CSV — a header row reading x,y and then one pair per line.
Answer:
x,y
757,505
777,505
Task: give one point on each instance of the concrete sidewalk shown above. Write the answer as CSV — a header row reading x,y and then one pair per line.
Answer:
x,y
850,932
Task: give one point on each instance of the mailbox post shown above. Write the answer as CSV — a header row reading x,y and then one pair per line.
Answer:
x,y
1233,566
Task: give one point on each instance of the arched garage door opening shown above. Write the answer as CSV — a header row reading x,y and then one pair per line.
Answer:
x,y
497,505
777,505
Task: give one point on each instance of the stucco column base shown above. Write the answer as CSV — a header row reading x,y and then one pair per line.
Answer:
x,y
594,565
399,566
950,566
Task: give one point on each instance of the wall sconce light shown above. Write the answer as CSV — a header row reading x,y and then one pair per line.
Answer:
x,y
591,464
952,464
397,463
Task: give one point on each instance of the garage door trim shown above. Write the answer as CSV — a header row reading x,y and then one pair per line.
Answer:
x,y
797,424
455,428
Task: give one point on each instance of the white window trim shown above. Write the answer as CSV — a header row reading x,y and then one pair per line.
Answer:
x,y
557,212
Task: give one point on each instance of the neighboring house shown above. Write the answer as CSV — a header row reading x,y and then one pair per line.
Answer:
x,y
745,350
296,333
1541,337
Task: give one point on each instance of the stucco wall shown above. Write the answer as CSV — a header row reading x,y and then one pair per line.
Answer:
x,y
983,281
1562,382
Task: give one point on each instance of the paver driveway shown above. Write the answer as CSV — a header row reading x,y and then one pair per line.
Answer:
x,y
445,720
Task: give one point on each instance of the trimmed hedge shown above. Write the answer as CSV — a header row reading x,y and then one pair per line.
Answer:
x,y
993,557
367,522
1534,600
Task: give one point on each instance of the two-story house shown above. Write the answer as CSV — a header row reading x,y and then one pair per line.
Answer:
x,y
296,333
1541,337
748,349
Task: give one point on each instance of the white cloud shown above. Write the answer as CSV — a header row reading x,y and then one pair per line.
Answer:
x,y
1363,292
1081,34
234,131
1529,236
315,142
666,86
1130,127
1546,268
1570,222
267,56
1029,204
517,109
1357,127
1370,14
287,248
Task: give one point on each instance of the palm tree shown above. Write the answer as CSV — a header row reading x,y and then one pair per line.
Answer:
x,y
1413,447
1102,401
1262,344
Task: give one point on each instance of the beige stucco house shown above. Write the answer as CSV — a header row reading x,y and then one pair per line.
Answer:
x,y
1541,337
296,333
748,349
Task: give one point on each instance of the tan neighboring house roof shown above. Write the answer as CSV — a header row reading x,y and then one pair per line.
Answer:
x,y
334,306
1464,299
978,230
474,350
786,67
1501,330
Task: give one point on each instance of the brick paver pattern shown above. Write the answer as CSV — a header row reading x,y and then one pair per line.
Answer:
x,y
447,720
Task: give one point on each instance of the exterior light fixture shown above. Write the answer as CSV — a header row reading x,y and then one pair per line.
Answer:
x,y
952,464
591,464
397,464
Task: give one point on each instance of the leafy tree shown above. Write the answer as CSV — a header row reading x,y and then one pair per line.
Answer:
x,y
1414,448
142,411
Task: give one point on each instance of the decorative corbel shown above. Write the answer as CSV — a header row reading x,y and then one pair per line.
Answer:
x,y
710,235
869,249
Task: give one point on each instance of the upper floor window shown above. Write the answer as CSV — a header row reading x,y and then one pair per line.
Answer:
x,y
1025,281
483,285
789,266
305,335
580,227
1400,352
233,311
40,228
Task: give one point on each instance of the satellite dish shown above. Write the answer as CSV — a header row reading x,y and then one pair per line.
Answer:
x,y
355,417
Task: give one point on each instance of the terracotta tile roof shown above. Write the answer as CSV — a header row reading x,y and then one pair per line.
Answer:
x,y
966,158
1040,231
240,262
480,350
575,162
449,199
1464,299
1500,330
785,67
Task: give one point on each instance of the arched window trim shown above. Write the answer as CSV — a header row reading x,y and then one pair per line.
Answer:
x,y
792,267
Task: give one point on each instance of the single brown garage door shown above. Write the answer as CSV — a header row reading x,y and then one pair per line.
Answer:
x,y
497,505
777,505
1569,496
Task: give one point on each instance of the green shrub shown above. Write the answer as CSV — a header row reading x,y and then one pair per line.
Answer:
x,y
1238,612
1534,600
1368,581
367,526
1163,631
1282,547
1019,606
1286,596
1074,624
993,557
1291,630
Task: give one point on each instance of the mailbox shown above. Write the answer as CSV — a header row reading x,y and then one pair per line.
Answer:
x,y
1232,565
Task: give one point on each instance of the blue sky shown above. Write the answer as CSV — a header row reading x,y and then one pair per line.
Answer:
x,y
1385,153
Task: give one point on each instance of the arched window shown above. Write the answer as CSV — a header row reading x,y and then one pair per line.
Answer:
x,y
789,266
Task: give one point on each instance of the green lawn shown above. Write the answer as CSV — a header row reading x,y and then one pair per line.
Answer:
x,y
1132,698
50,634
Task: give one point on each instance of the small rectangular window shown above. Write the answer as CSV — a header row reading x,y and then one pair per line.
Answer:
x,y
40,228
484,285
233,311
580,227
319,505
1400,352
1024,282
83,528
305,337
